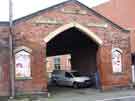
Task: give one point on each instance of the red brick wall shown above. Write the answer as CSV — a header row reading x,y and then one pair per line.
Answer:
x,y
132,41
110,80
39,77
30,34
64,59
4,61
121,12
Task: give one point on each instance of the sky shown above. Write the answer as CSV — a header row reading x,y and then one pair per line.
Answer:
x,y
25,7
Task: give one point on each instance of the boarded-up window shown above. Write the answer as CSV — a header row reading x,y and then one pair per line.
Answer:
x,y
116,60
22,64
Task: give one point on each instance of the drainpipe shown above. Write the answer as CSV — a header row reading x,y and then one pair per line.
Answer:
x,y
12,79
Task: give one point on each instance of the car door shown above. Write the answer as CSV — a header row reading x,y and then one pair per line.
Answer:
x,y
60,79
68,79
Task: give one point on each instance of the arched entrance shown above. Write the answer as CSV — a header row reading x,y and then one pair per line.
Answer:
x,y
78,42
63,28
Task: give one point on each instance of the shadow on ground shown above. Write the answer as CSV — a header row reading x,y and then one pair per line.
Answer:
x,y
67,91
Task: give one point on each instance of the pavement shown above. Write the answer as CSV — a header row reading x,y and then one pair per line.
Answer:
x,y
90,94
84,94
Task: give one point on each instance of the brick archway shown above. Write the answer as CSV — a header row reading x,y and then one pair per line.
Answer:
x,y
90,34
94,39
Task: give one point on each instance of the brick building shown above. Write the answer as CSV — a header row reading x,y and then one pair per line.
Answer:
x,y
59,62
120,12
94,42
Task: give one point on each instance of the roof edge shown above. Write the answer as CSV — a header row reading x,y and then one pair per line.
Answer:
x,y
40,11
59,4
4,23
105,18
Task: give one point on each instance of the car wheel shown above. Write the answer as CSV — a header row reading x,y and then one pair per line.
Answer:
x,y
75,85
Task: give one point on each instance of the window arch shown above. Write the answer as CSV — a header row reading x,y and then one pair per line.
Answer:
x,y
22,62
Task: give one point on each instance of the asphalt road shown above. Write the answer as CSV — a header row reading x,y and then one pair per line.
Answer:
x,y
86,94
90,94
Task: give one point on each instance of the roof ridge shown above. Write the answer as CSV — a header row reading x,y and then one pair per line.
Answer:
x,y
59,4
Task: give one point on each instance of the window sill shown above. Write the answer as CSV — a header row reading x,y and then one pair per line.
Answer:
x,y
23,78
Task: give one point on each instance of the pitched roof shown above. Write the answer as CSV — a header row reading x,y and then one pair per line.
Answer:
x,y
60,4
4,23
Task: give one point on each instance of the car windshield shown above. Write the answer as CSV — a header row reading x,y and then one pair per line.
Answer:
x,y
76,74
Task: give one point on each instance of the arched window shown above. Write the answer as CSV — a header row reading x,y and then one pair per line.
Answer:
x,y
116,60
22,63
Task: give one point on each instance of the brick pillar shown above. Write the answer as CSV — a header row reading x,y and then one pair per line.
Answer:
x,y
109,79
40,68
43,56
104,65
132,40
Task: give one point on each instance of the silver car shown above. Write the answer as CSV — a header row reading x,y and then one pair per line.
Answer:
x,y
70,78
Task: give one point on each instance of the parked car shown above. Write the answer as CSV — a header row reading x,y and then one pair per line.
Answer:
x,y
70,78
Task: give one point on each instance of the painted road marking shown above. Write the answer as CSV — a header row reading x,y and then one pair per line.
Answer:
x,y
119,98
